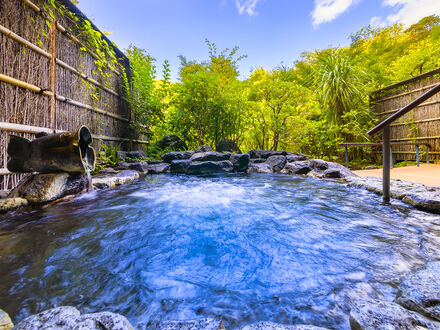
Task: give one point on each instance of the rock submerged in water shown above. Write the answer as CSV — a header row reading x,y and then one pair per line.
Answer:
x,y
5,321
45,188
9,204
375,314
265,325
69,318
205,324
420,291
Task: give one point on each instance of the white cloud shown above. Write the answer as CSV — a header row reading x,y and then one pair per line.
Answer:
x,y
246,6
328,10
408,12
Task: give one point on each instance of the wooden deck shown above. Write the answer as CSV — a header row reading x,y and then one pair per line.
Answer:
x,y
428,174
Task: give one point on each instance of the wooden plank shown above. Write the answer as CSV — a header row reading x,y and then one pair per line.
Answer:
x,y
406,82
421,105
24,84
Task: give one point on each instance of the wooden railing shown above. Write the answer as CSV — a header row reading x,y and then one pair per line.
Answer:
x,y
417,144
384,126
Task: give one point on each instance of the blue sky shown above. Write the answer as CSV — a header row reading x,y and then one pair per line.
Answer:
x,y
270,32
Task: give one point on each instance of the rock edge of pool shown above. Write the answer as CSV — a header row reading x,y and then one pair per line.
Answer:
x,y
417,301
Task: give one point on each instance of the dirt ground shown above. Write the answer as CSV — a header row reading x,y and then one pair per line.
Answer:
x,y
428,174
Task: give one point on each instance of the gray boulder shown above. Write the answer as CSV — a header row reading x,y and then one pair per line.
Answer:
x,y
108,170
69,318
227,145
427,201
343,171
240,162
179,166
210,156
375,314
276,162
203,148
255,153
257,160
300,167
158,168
154,161
267,153
323,169
206,324
131,154
45,188
140,166
294,157
136,154
63,317
209,167
420,291
259,168
102,181
173,142
265,325
177,155
319,164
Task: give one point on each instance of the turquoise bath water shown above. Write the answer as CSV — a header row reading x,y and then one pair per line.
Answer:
x,y
245,248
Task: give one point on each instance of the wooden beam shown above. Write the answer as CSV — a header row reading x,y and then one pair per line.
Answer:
x,y
386,148
25,85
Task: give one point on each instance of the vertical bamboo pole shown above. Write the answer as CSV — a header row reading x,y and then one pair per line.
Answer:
x,y
53,31
386,164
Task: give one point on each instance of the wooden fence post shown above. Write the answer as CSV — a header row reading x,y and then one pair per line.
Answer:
x,y
53,31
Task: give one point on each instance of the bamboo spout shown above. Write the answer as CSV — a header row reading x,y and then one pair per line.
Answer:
x,y
61,152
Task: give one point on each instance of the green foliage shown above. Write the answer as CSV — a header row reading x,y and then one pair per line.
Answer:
x,y
107,157
206,105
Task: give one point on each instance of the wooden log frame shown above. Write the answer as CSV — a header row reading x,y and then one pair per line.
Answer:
x,y
42,91
18,128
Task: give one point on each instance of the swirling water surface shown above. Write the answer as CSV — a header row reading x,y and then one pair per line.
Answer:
x,y
245,248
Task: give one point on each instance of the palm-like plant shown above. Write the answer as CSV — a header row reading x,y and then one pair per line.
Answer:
x,y
338,85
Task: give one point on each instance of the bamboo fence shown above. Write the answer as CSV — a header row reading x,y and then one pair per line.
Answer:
x,y
422,124
46,84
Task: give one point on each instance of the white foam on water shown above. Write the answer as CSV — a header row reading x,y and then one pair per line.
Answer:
x,y
200,194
